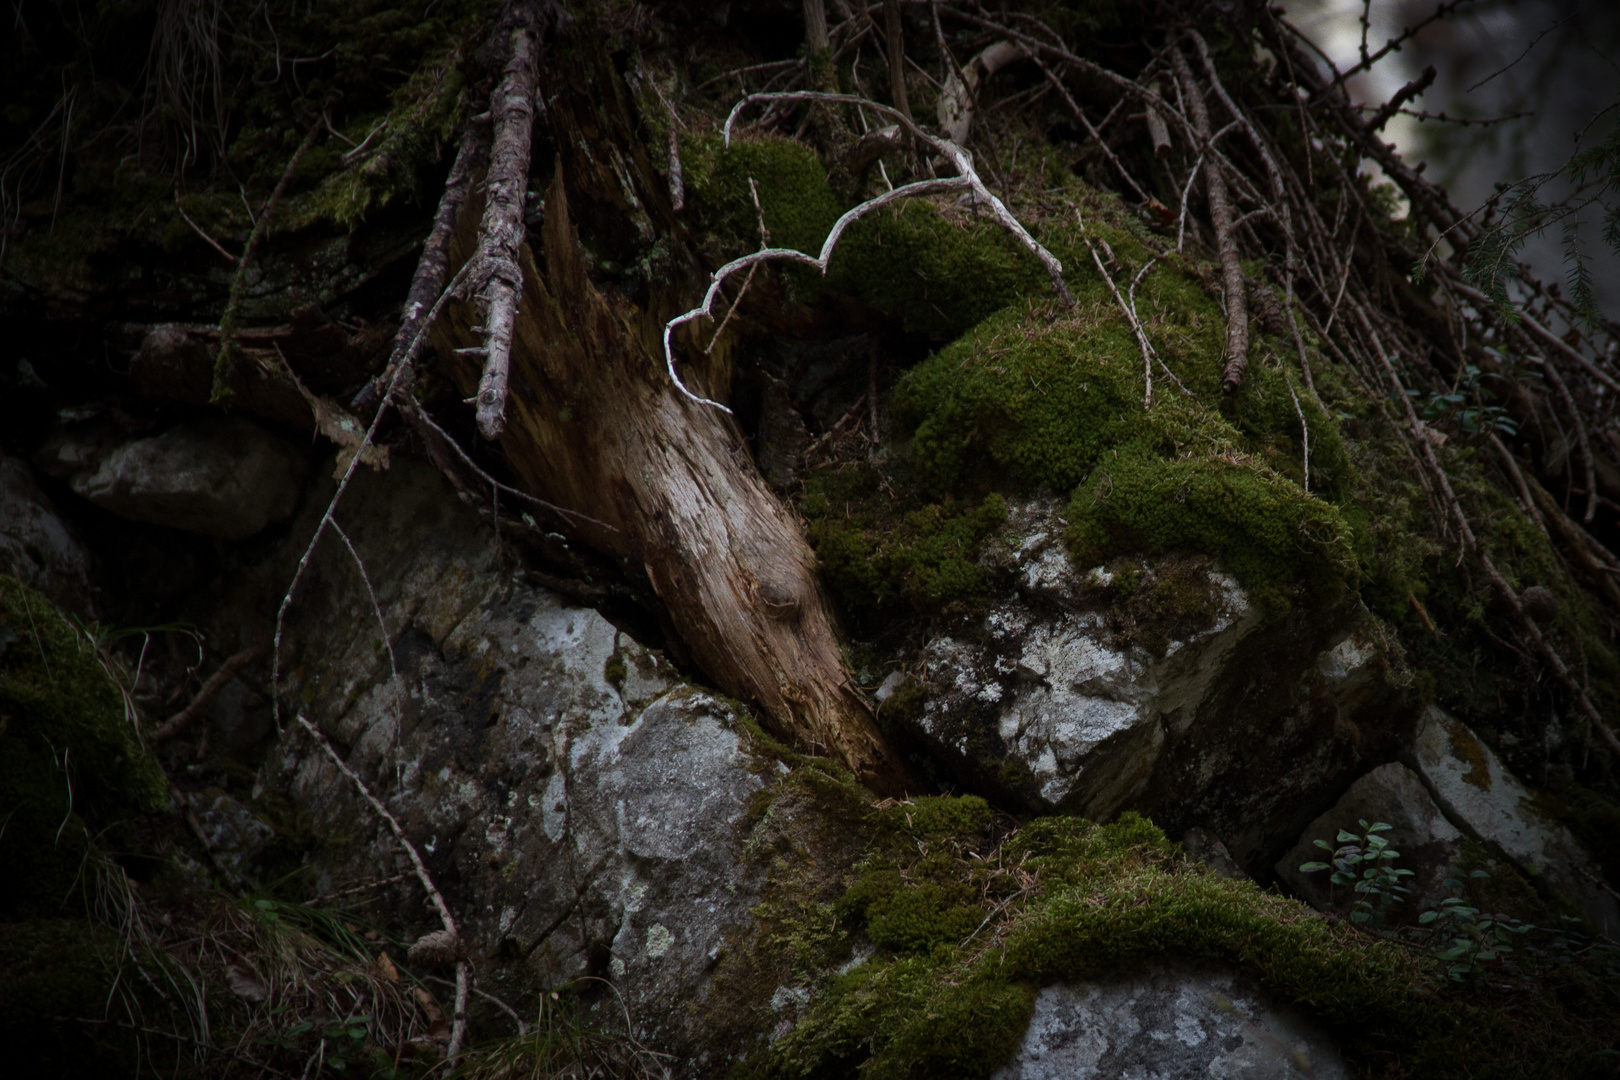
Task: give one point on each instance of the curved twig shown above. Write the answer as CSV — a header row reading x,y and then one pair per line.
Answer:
x,y
967,179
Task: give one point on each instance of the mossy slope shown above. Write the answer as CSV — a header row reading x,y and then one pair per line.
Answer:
x,y
1064,899
71,764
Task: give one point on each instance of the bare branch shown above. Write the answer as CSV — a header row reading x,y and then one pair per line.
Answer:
x,y
232,667
458,1028
501,233
967,179
1220,211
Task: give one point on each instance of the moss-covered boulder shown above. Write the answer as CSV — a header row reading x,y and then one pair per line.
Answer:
x,y
72,763
1066,901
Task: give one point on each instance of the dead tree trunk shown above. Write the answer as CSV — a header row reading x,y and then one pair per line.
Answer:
x,y
593,425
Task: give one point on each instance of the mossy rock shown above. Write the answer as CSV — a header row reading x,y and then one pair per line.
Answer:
x,y
881,554
1101,901
1055,399
71,761
798,205
54,1016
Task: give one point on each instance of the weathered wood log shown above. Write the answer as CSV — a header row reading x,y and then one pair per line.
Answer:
x,y
593,425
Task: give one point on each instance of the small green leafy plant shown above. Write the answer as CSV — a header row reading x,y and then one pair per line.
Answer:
x,y
1466,406
1470,941
1363,861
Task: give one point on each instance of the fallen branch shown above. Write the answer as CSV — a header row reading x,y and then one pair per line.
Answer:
x,y
501,233
1220,212
433,265
232,667
458,1028
1305,436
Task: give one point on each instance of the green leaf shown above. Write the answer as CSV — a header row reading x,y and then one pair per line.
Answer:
x,y
1312,867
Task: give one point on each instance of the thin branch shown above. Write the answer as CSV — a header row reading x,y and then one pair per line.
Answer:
x,y
376,608
1130,316
1220,211
1305,436
967,179
458,1028
232,667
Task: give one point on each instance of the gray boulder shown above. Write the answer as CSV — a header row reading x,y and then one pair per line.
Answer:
x,y
581,806
1167,1022
1427,841
1161,688
219,476
37,547
1491,805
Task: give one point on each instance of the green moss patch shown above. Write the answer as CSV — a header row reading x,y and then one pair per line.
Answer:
x,y
798,205
1055,399
1065,899
882,552
71,763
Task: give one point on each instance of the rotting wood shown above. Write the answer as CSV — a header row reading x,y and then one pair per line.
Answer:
x,y
958,102
667,481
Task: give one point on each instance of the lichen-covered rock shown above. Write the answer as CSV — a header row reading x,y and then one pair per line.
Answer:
x,y
219,476
235,834
1427,842
579,804
1154,685
37,547
1170,1021
1491,805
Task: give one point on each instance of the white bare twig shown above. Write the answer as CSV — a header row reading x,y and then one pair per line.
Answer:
x,y
1148,355
1305,435
967,179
